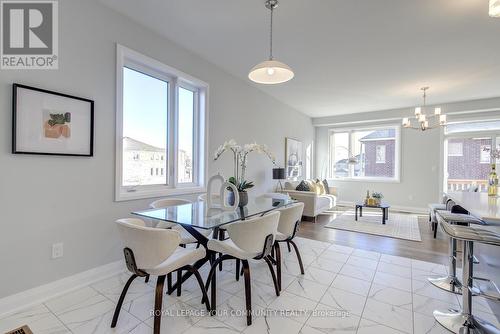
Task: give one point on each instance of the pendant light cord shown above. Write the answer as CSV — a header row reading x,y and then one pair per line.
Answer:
x,y
271,35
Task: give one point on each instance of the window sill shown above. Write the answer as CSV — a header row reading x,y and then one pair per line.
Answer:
x,y
365,179
153,193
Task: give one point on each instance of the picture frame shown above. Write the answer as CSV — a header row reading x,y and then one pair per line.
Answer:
x,y
45,122
293,158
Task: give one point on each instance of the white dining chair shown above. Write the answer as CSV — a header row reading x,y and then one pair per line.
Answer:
x,y
153,251
203,197
248,239
287,228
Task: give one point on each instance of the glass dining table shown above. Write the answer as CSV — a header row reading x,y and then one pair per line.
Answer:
x,y
197,215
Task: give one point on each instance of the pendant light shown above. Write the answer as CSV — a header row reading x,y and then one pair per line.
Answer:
x,y
270,72
494,8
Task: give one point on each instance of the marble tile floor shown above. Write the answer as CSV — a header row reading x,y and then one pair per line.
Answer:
x,y
344,290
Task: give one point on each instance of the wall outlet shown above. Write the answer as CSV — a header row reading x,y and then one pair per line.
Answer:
x,y
57,250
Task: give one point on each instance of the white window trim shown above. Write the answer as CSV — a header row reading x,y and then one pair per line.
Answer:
x,y
397,154
176,78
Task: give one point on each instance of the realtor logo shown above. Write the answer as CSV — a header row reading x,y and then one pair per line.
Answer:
x,y
29,34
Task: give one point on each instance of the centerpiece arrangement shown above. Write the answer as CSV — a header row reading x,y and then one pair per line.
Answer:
x,y
240,160
374,200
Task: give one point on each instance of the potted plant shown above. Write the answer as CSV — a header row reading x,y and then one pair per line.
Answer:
x,y
240,160
378,198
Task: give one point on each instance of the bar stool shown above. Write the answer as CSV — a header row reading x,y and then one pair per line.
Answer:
x,y
464,321
433,207
450,282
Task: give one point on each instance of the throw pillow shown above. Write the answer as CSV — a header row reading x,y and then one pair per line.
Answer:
x,y
303,187
320,188
327,187
312,185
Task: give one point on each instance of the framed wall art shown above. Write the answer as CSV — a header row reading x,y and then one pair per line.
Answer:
x,y
51,123
293,158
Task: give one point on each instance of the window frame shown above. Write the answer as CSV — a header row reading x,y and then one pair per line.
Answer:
x,y
126,57
350,131
494,135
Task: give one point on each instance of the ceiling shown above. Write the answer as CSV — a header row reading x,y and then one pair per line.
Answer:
x,y
348,55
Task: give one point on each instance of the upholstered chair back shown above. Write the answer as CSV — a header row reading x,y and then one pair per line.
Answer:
x,y
289,216
166,202
151,246
250,235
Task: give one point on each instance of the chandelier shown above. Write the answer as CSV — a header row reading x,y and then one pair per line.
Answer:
x,y
422,120
271,71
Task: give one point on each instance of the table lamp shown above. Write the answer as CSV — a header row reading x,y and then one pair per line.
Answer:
x,y
279,174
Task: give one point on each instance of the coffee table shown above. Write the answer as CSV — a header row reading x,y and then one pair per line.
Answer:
x,y
384,206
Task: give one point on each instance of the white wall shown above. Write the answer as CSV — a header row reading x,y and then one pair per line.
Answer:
x,y
421,170
44,200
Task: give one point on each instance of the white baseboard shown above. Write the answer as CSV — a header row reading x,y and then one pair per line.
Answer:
x,y
40,294
409,209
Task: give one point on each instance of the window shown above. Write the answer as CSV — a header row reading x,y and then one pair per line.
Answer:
x,y
365,153
467,154
380,154
161,129
484,154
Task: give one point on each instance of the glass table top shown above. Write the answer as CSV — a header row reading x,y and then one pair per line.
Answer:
x,y
197,214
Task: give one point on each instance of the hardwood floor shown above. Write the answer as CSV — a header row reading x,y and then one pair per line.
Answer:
x,y
430,249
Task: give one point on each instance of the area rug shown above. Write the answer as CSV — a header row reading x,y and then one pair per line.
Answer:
x,y
399,225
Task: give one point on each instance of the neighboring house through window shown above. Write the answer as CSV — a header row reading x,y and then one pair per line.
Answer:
x,y
371,153
161,129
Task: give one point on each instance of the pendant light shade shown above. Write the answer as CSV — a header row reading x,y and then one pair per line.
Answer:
x,y
270,72
494,8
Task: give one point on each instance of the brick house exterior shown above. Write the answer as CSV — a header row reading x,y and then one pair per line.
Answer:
x,y
383,141
467,160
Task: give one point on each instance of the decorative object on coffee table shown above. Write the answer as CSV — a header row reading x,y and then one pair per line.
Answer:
x,y
50,123
385,210
240,159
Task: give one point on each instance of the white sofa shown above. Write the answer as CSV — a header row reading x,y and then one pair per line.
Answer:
x,y
314,204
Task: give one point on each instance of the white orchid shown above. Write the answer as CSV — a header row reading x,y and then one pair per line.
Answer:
x,y
240,154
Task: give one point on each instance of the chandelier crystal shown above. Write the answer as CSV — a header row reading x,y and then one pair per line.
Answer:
x,y
422,120
271,71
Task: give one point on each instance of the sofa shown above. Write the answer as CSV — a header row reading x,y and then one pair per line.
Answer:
x,y
314,203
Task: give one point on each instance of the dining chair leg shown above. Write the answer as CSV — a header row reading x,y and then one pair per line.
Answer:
x,y
169,282
288,245
278,263
275,282
435,230
196,273
248,291
237,269
179,280
158,300
146,279
120,301
298,257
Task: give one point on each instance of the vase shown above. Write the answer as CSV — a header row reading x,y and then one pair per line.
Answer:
x,y
243,198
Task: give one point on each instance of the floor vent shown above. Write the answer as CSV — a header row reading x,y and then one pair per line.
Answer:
x,y
21,330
